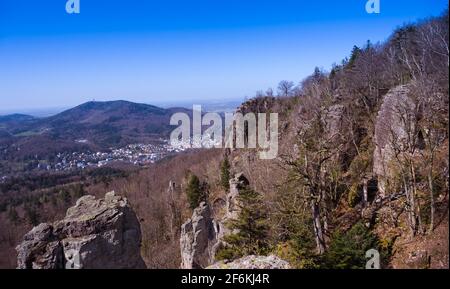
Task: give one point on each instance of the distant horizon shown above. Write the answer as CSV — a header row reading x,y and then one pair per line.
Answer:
x,y
228,50
49,111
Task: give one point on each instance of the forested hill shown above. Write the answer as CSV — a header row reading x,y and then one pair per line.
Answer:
x,y
362,164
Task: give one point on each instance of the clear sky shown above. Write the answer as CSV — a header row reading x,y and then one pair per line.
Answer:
x,y
153,51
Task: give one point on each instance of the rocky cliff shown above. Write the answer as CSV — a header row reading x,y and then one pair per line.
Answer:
x,y
391,129
95,234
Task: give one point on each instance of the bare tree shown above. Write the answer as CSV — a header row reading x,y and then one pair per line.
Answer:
x,y
433,37
314,164
285,88
269,92
433,126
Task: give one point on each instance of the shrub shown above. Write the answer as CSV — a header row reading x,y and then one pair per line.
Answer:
x,y
354,196
297,254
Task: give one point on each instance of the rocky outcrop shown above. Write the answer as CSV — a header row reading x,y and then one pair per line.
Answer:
x,y
232,206
202,235
95,234
389,130
198,236
231,213
333,118
253,262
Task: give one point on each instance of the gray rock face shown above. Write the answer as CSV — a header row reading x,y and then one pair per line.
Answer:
x,y
232,211
202,235
333,119
232,206
198,236
95,234
389,130
253,262
40,249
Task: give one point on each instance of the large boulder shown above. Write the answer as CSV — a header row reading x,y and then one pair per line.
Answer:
x,y
95,234
253,262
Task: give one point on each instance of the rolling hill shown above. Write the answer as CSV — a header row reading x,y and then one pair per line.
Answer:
x,y
92,125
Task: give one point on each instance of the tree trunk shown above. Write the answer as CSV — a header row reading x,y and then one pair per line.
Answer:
x,y
365,193
172,209
410,206
417,211
432,208
318,231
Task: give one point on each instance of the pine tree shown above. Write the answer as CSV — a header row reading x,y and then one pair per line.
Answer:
x,y
251,237
225,174
194,192
354,55
347,250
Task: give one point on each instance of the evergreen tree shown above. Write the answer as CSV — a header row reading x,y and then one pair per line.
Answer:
x,y
195,193
348,250
293,230
354,55
251,228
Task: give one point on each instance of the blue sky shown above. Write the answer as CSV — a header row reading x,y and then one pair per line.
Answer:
x,y
168,50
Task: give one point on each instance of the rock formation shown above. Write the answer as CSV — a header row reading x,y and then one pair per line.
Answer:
x,y
236,184
253,262
389,130
198,235
201,235
232,211
95,234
